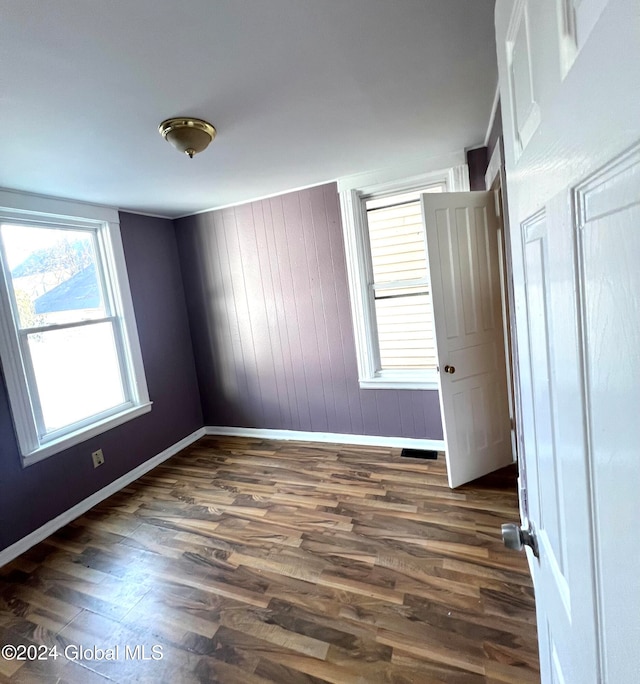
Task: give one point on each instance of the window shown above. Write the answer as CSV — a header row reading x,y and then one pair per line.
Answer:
x,y
389,283
69,345
399,283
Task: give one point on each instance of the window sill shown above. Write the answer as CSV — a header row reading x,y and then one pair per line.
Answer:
x,y
73,438
410,381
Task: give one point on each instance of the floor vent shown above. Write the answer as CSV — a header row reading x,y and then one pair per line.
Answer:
x,y
419,453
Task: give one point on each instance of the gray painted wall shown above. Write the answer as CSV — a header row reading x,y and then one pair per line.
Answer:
x,y
268,304
32,496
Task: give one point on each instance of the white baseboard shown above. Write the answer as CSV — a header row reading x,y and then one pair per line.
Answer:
x,y
330,437
76,511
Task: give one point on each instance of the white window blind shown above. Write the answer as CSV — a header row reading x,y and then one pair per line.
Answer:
x,y
399,282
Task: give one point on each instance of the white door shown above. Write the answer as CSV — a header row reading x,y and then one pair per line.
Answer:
x,y
570,94
462,232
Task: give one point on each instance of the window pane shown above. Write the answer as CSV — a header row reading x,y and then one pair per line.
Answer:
x,y
398,248
405,329
54,275
77,373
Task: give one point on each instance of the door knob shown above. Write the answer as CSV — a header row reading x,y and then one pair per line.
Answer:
x,y
450,369
517,537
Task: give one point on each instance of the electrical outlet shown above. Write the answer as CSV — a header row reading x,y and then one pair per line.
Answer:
x,y
98,458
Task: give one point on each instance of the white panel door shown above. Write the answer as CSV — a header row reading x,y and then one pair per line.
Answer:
x,y
573,189
462,231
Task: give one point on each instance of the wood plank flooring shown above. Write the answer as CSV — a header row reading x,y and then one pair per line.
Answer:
x,y
243,561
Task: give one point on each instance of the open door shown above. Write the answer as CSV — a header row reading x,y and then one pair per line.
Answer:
x,y
462,230
570,93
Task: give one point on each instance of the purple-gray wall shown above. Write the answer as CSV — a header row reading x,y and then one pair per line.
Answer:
x,y
268,304
30,497
477,162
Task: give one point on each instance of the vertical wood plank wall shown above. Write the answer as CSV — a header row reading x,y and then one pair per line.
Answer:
x,y
268,304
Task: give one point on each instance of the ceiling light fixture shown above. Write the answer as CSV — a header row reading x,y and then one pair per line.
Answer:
x,y
187,135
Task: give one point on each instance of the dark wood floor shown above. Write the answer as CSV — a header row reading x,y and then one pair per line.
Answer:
x,y
252,562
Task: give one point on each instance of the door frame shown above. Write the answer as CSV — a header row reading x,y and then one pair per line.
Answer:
x,y
495,180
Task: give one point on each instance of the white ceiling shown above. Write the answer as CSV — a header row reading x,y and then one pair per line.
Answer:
x,y
300,91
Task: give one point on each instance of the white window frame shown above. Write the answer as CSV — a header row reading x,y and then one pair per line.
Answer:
x,y
104,222
359,270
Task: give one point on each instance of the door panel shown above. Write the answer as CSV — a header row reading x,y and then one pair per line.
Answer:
x,y
463,253
550,513
574,215
526,111
554,442
608,237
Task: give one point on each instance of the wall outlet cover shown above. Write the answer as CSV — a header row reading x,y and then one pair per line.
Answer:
x,y
98,458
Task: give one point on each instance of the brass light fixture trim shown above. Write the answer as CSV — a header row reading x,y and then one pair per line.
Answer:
x,y
187,134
